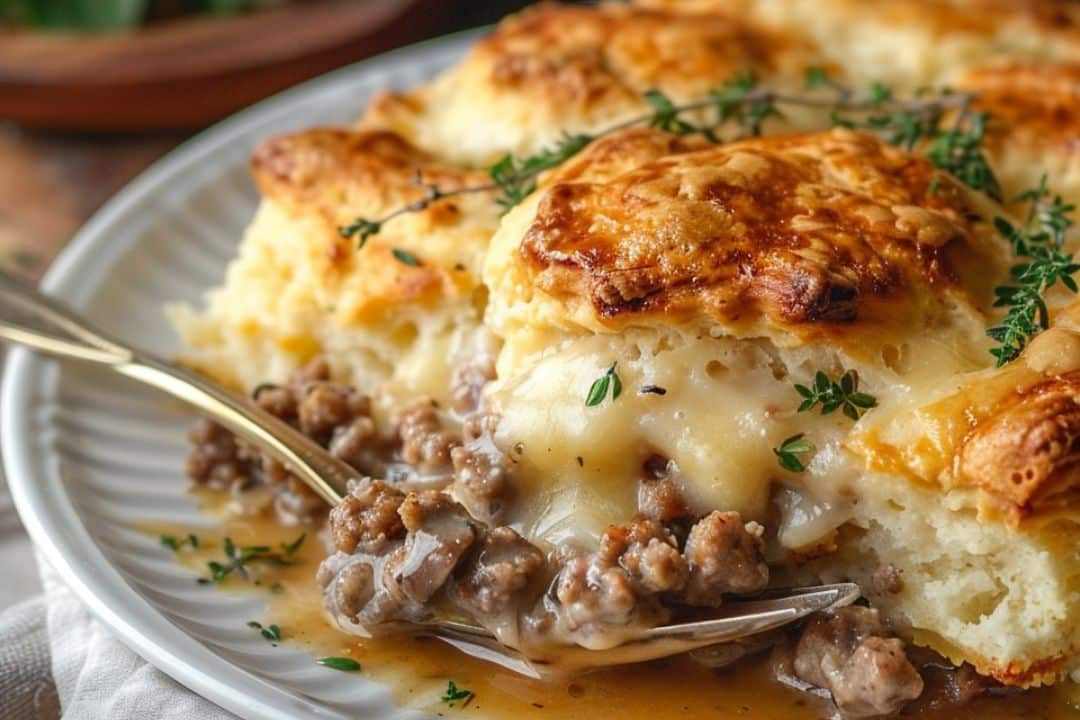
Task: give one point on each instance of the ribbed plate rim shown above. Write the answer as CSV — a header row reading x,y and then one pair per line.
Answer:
x,y
48,513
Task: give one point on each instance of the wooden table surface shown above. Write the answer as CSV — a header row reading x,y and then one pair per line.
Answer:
x,y
51,183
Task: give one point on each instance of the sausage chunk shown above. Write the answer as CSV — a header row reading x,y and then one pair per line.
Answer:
x,y
659,497
495,578
468,381
592,596
648,553
361,592
482,475
367,519
848,653
440,533
605,595
425,441
724,556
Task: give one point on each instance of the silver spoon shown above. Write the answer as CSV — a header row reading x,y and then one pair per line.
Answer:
x,y
31,319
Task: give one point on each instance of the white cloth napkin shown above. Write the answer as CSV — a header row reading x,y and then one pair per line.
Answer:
x,y
57,661
97,676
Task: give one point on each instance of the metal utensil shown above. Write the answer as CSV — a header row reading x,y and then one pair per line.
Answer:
x,y
737,620
29,318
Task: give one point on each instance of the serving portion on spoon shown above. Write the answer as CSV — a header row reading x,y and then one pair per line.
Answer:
x,y
31,319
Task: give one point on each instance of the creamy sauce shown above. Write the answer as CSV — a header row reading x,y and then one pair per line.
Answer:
x,y
417,669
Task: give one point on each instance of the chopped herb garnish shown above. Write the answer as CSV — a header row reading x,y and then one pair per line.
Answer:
x,y
240,558
271,632
652,390
343,664
833,395
291,548
260,388
254,624
405,257
599,389
788,453
1040,240
176,545
815,77
454,693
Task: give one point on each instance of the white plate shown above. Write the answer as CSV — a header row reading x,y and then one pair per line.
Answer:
x,y
86,454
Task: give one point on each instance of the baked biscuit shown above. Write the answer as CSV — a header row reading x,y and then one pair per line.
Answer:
x,y
908,44
728,274
561,68
1035,126
1021,57
299,289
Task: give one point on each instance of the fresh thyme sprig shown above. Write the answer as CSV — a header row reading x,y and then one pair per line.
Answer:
x,y
1040,239
516,177
741,102
787,454
240,558
831,395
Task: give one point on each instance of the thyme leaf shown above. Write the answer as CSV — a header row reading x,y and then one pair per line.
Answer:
x,y
343,664
600,386
787,454
454,693
405,257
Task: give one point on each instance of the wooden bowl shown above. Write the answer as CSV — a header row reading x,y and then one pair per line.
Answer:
x,y
188,73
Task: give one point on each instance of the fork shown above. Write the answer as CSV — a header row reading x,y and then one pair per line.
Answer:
x,y
31,319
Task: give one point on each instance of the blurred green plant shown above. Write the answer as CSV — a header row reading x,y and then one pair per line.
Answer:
x,y
106,15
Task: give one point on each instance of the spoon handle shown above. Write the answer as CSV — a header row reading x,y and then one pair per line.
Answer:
x,y
29,318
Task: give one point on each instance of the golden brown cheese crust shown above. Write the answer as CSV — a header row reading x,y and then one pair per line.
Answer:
x,y
338,175
828,228
1032,104
1027,452
940,17
559,67
342,173
578,54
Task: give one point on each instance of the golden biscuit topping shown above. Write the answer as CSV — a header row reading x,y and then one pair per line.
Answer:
x,y
554,68
1028,452
1037,104
824,228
